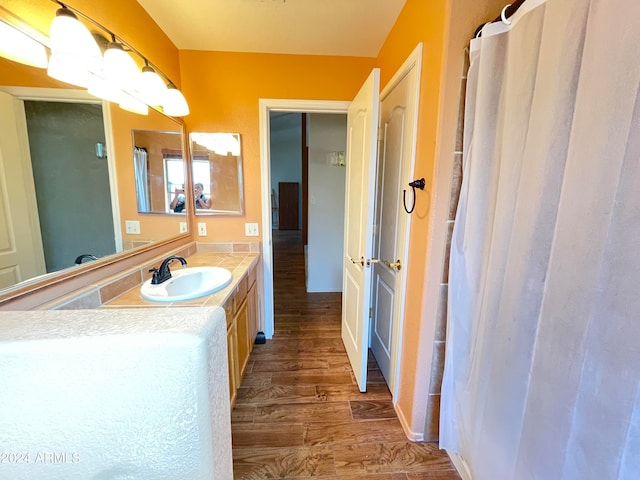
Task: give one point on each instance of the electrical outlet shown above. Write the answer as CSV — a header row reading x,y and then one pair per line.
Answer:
x,y
251,229
132,227
202,229
183,227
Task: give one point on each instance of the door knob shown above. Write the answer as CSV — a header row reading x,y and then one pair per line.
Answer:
x,y
393,265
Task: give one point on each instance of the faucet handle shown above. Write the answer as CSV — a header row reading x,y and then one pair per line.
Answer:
x,y
156,275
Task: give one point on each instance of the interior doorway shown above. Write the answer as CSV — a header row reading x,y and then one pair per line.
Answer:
x,y
267,107
307,197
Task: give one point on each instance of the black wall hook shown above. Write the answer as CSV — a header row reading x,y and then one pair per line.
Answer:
x,y
419,183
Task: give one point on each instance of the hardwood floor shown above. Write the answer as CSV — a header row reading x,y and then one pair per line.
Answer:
x,y
299,413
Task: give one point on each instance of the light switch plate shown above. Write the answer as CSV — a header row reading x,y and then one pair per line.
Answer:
x,y
202,229
183,227
251,229
132,227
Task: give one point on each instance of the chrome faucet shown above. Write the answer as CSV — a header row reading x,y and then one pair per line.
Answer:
x,y
163,273
88,256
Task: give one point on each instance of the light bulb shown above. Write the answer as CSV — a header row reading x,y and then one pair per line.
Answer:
x,y
119,68
151,88
174,103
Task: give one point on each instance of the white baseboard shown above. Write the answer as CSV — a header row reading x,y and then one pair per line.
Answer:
x,y
411,435
460,464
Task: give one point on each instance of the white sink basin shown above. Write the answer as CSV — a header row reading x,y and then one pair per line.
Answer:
x,y
187,283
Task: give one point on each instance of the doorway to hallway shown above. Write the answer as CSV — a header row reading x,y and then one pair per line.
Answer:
x,y
307,189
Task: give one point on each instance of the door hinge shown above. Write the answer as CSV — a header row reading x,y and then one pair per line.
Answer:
x,y
370,312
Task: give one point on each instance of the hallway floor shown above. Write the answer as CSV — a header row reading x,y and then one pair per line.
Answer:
x,y
299,413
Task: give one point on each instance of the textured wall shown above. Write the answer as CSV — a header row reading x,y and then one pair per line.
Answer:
x,y
115,394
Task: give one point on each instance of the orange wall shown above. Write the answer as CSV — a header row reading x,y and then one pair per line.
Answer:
x,y
223,89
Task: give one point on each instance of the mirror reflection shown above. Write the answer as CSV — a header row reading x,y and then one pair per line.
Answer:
x,y
216,167
69,190
159,170
58,198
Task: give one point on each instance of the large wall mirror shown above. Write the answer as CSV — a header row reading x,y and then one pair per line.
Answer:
x,y
216,168
67,181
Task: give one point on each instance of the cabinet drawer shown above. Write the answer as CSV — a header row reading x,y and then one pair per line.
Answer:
x,y
241,293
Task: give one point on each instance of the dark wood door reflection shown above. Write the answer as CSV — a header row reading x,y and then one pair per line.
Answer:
x,y
299,413
288,197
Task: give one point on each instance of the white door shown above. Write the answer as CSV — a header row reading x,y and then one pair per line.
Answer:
x,y
397,144
21,254
362,126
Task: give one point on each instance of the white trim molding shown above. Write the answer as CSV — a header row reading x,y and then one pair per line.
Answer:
x,y
267,105
460,464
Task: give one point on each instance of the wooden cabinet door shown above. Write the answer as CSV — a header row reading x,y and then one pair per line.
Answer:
x,y
253,311
288,194
242,324
232,354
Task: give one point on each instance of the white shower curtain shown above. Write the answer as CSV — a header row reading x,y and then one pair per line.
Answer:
x,y
142,183
542,372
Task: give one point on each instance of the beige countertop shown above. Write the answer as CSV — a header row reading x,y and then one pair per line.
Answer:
x,y
238,263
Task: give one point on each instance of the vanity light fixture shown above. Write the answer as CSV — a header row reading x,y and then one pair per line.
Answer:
x,y
17,46
75,55
76,58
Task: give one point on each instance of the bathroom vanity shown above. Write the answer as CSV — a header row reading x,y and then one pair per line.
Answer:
x,y
239,300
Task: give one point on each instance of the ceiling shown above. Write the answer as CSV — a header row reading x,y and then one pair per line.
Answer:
x,y
307,27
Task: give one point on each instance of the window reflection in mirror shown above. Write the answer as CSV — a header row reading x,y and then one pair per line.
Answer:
x,y
159,169
216,167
